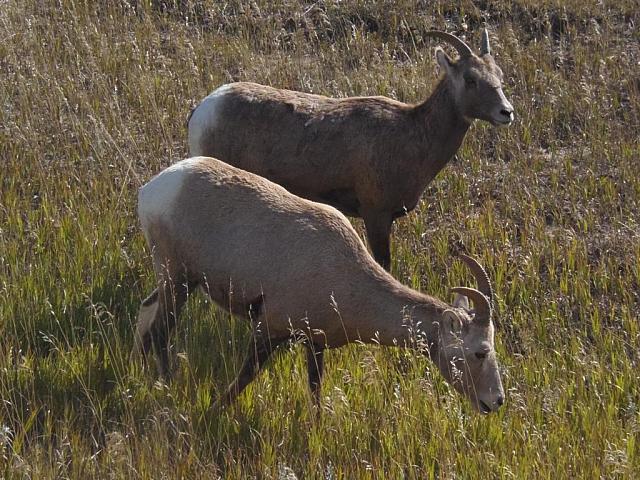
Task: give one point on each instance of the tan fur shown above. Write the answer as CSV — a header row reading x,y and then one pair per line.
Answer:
x,y
370,157
291,266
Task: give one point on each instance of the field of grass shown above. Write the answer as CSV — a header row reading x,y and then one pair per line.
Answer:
x,y
93,102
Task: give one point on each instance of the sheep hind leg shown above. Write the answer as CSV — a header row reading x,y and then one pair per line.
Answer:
x,y
156,320
315,369
259,352
146,316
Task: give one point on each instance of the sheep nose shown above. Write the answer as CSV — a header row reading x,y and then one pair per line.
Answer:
x,y
500,401
507,113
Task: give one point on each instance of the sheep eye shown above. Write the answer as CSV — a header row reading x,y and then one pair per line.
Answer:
x,y
470,82
481,355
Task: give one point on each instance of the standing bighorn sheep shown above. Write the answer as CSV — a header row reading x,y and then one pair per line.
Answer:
x,y
369,157
294,267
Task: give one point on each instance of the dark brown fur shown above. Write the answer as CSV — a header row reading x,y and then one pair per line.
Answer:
x,y
370,157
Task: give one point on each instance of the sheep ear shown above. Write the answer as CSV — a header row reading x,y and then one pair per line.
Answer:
x,y
453,323
444,60
460,301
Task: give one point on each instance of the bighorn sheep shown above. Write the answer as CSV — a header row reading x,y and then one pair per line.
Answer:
x,y
369,157
297,269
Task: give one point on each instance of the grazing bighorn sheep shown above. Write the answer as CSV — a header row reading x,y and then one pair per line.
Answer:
x,y
292,267
369,157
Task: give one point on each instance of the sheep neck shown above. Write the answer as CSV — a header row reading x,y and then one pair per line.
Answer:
x,y
443,125
396,315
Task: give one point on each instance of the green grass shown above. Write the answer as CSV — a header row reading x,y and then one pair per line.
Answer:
x,y
93,102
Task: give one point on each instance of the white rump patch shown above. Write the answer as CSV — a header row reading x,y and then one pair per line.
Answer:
x,y
156,199
204,118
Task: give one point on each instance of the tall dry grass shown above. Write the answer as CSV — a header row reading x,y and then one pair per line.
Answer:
x,y
93,100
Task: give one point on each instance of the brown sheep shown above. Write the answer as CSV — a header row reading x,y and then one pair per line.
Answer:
x,y
369,157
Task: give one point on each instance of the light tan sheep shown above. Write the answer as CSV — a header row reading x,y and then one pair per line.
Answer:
x,y
296,268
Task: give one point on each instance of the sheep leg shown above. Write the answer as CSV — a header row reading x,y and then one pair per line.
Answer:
x,y
315,369
378,226
254,362
146,316
156,320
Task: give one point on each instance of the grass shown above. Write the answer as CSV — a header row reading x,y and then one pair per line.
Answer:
x,y
93,101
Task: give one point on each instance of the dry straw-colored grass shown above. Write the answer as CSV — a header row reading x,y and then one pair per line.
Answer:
x,y
93,100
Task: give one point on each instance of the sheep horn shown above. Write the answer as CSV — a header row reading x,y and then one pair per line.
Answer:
x,y
485,49
462,48
480,302
484,284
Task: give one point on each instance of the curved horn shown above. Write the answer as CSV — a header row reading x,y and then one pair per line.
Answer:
x,y
485,48
480,302
462,48
484,284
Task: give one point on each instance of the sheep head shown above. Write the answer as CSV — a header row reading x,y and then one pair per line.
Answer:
x,y
465,353
476,81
